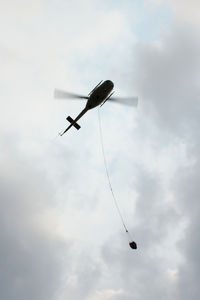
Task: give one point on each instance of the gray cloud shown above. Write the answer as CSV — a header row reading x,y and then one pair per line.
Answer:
x,y
32,258
167,79
187,192
143,273
173,93
166,264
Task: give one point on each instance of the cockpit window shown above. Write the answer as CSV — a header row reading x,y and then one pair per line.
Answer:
x,y
109,83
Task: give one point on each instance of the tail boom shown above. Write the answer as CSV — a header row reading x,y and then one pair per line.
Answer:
x,y
74,122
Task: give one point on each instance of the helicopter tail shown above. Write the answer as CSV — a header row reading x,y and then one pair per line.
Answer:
x,y
74,122
76,125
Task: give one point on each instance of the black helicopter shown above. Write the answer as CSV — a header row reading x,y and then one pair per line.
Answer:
x,y
98,96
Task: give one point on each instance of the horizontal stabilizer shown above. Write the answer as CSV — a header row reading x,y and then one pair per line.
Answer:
x,y
76,125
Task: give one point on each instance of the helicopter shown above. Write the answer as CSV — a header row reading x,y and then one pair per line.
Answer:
x,y
102,92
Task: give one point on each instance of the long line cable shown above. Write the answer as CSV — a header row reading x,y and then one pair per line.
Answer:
x,y
107,173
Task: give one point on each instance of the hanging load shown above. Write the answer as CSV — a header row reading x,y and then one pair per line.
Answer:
x,y
133,245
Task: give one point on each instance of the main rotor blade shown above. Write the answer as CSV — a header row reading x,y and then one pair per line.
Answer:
x,y
130,101
60,94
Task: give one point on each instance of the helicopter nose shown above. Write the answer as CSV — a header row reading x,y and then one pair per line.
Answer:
x,y
109,83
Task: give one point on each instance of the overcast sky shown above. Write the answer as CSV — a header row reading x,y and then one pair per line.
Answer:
x,y
60,235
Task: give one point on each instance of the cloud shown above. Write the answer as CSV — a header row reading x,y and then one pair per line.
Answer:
x,y
187,192
183,10
32,256
186,11
168,79
83,278
155,222
59,235
168,86
165,215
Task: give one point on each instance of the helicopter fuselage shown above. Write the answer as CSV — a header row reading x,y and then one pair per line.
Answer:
x,y
99,95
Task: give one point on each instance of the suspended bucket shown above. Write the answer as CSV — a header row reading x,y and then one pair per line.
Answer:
x,y
133,245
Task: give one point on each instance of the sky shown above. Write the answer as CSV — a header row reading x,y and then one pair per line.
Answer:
x,y
60,234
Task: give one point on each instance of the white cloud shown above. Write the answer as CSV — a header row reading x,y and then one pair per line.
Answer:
x,y
187,10
107,294
184,10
